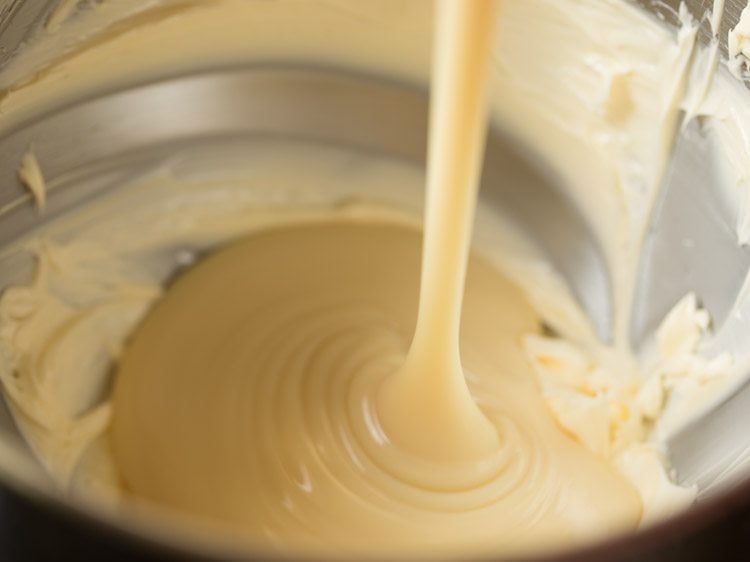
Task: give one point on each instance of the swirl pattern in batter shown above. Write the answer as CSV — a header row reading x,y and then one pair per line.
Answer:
x,y
248,397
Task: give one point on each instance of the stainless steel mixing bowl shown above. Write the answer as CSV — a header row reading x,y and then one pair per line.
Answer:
x,y
93,145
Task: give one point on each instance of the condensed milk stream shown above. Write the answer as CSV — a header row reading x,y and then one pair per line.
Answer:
x,y
286,390
428,395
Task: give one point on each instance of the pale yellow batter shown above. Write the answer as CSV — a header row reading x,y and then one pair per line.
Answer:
x,y
275,390
259,374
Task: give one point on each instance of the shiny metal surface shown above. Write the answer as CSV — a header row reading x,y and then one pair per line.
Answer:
x,y
120,132
692,247
703,455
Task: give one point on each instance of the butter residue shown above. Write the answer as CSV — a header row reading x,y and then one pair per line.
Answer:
x,y
30,174
602,112
621,409
39,330
706,57
60,14
738,45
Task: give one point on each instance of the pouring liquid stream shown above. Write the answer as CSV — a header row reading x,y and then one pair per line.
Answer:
x,y
429,394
